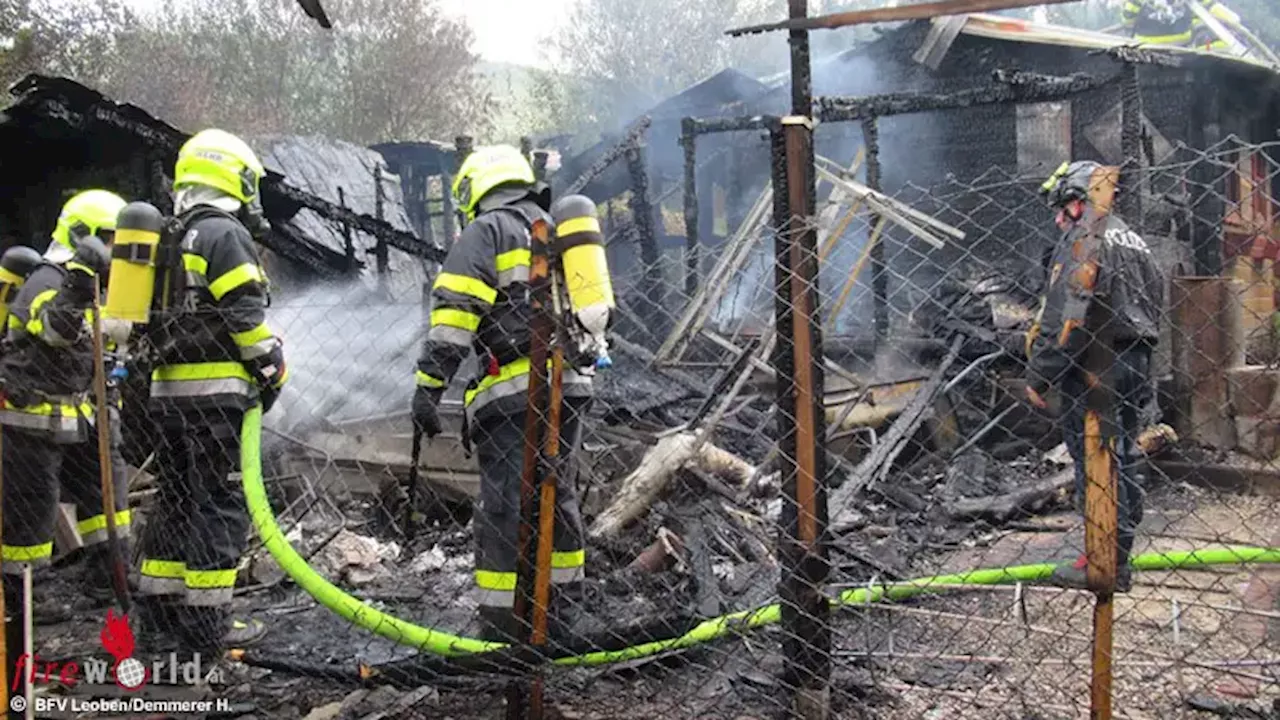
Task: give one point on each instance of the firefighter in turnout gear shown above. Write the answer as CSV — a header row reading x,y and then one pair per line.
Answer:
x,y
49,415
1115,267
480,302
1173,22
215,358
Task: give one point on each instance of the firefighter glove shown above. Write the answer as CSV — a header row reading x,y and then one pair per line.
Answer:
x,y
270,374
426,413
90,260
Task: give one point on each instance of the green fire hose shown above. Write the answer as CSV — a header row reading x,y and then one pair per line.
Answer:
x,y
445,644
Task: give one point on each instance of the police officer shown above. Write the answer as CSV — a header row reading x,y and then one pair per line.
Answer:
x,y
480,302
216,358
1112,266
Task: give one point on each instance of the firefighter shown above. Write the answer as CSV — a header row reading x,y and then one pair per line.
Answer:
x,y
1172,22
1117,268
49,417
215,359
480,302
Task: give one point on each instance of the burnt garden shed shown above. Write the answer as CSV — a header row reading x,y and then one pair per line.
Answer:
x,y
63,137
966,116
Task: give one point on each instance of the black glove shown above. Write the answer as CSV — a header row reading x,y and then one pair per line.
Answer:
x,y
426,415
268,396
270,374
83,269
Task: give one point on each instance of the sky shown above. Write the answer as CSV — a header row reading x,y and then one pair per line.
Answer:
x,y
509,30
506,31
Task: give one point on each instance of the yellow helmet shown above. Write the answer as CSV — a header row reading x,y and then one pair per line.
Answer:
x,y
485,169
217,159
91,212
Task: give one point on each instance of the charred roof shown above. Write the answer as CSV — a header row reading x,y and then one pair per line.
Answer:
x,y
72,137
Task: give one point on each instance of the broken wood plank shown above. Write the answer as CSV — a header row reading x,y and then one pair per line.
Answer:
x,y
1030,499
875,467
920,11
942,35
642,486
735,253
65,536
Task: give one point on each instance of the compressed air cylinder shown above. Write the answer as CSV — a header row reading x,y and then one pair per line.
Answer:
x,y
133,263
15,265
580,245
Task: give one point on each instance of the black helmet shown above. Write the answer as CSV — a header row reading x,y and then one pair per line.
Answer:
x,y
1069,182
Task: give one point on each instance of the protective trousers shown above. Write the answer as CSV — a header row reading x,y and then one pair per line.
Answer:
x,y
499,444
1133,392
36,468
196,534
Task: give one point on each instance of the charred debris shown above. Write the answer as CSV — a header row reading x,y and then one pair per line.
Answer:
x,y
926,298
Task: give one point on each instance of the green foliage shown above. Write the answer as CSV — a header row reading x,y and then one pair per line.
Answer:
x,y
389,70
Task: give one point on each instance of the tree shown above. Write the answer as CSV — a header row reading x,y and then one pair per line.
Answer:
x,y
619,57
53,37
390,70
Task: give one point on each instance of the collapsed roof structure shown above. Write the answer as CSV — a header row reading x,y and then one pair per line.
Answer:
x,y
83,139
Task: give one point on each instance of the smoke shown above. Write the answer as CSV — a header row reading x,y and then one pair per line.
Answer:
x,y
351,354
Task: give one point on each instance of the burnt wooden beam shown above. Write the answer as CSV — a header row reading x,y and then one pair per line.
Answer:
x,y
610,156
1011,87
919,11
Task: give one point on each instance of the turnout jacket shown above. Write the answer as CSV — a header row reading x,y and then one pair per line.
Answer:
x,y
1113,266
480,301
1167,21
47,361
214,349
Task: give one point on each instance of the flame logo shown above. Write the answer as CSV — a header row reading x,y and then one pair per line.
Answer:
x,y
116,636
117,639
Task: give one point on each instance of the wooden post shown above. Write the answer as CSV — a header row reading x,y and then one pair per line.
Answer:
x,y
875,250
801,421
1101,530
348,244
1208,340
380,244
519,704
689,142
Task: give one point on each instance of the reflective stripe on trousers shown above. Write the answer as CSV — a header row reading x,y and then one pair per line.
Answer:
x,y
206,588
17,557
497,589
201,379
93,530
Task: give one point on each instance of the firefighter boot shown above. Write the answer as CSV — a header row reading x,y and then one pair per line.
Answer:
x,y
1076,575
500,625
571,628
158,623
97,572
212,631
19,671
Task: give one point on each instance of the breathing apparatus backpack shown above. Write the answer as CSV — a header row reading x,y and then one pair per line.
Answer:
x,y
147,284
16,265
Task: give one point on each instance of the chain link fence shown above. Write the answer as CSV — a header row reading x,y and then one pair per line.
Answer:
x,y
951,499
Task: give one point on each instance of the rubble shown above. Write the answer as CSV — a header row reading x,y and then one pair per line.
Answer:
x,y
357,559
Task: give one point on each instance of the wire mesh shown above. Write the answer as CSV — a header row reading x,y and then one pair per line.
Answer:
x,y
936,464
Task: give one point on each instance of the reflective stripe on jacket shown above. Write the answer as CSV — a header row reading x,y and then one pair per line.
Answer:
x,y
210,341
480,301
